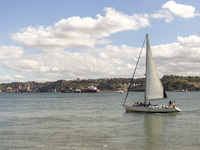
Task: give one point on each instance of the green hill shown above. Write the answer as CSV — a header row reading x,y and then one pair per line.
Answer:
x,y
170,83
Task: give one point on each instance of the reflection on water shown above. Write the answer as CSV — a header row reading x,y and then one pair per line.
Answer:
x,y
155,129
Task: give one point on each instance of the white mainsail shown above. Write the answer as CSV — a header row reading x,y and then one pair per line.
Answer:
x,y
153,87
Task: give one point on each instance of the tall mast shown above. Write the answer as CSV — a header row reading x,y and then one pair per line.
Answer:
x,y
147,41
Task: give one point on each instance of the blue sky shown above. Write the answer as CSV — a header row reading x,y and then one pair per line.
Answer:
x,y
67,39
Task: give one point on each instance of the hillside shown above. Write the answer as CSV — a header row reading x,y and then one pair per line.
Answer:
x,y
170,83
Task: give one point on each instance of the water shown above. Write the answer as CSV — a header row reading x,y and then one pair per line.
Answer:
x,y
95,121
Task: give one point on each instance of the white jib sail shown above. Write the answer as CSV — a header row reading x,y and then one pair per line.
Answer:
x,y
153,87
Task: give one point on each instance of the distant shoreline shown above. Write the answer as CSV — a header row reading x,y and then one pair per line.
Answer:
x,y
170,82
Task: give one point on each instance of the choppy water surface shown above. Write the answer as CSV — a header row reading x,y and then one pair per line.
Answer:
x,y
95,121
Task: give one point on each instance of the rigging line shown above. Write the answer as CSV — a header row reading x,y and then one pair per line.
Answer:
x,y
134,71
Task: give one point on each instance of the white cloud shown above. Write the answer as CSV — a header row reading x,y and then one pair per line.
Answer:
x,y
21,65
111,61
15,78
80,32
171,8
191,41
19,77
10,52
55,62
184,11
180,58
163,14
97,63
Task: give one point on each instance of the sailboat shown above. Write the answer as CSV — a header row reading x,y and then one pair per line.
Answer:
x,y
153,89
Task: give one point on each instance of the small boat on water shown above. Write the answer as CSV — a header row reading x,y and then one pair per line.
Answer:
x,y
71,91
153,88
122,92
91,89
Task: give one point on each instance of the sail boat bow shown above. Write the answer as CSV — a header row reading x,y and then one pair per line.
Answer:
x,y
153,88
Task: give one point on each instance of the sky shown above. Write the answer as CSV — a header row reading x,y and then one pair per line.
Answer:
x,y
48,40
